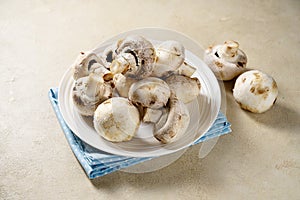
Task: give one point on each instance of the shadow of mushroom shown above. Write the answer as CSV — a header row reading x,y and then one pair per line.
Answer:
x,y
279,117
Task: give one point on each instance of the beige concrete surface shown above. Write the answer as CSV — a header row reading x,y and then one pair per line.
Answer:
x,y
40,39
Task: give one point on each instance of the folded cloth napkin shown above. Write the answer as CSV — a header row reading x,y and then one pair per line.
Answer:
x,y
99,163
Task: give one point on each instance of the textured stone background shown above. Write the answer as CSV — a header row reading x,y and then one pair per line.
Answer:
x,y
40,39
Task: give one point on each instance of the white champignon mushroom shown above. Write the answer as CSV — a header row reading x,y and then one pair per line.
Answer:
x,y
227,61
89,92
169,57
152,115
124,63
116,119
186,89
186,69
255,91
123,84
83,64
172,127
150,92
143,52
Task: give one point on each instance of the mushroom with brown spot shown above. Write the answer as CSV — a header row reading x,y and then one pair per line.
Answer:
x,y
255,91
226,61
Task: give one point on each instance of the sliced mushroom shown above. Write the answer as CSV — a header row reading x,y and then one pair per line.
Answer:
x,y
255,91
123,84
186,89
83,65
89,92
176,124
125,64
152,115
169,57
116,119
226,61
143,52
163,118
149,92
185,69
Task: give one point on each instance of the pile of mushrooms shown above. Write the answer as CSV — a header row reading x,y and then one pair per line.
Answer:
x,y
254,90
134,82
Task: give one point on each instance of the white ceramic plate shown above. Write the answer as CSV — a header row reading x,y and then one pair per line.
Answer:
x,y
203,112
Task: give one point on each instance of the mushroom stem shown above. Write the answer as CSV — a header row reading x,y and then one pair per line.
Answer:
x,y
124,62
92,83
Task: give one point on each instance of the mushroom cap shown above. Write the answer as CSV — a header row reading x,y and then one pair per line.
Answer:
x,y
186,89
88,92
255,91
150,92
83,64
227,61
142,50
170,56
116,119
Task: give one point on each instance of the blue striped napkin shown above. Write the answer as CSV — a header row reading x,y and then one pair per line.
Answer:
x,y
99,163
